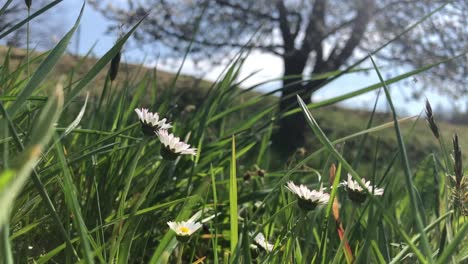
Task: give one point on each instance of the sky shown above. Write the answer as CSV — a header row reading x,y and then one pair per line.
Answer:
x,y
92,34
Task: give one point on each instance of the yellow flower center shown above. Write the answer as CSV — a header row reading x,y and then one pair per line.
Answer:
x,y
184,230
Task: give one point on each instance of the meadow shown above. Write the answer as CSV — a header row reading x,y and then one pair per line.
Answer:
x,y
90,174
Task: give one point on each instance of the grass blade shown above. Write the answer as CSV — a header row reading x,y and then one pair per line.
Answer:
x,y
45,68
11,186
407,170
454,244
234,233
71,195
29,18
328,144
371,87
100,64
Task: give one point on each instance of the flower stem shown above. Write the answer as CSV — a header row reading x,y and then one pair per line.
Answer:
x,y
343,243
27,43
181,253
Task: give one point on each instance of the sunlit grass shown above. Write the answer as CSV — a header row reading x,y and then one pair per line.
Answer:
x,y
80,180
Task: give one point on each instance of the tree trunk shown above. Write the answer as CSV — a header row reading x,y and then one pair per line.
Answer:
x,y
291,133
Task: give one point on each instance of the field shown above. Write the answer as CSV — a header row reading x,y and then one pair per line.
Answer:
x,y
86,179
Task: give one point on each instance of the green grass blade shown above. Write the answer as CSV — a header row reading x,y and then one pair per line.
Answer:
x,y
328,144
6,255
168,242
5,6
57,250
129,177
29,18
44,259
26,229
25,162
234,233
100,64
454,244
71,198
50,115
371,87
45,68
78,118
377,252
398,258
462,257
408,176
324,237
215,205
6,177
41,135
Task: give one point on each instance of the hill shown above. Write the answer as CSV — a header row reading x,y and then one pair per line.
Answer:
x,y
83,181
337,122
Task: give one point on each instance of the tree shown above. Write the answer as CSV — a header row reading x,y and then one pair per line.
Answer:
x,y
43,29
311,37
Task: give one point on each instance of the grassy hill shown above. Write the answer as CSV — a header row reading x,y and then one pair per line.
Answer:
x,y
86,184
337,122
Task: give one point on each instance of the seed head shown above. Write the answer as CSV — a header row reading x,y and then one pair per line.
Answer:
x,y
247,176
114,68
261,172
430,120
458,167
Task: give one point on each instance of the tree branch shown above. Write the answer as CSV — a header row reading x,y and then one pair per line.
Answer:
x,y
315,30
288,39
349,22
269,48
247,10
337,58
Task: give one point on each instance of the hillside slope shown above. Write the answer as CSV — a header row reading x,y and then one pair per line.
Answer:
x,y
337,122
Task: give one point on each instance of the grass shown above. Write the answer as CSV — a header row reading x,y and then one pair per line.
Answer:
x,y
336,121
80,182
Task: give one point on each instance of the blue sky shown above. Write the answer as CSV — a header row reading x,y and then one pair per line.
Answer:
x,y
93,32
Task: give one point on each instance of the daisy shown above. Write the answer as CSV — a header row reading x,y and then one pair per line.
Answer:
x,y
150,122
172,146
356,193
263,243
308,199
184,229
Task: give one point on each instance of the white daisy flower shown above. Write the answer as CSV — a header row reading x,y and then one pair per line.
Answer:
x,y
308,199
150,122
356,193
184,229
262,242
172,146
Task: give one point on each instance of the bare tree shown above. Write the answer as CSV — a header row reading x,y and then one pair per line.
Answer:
x,y
311,37
44,31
